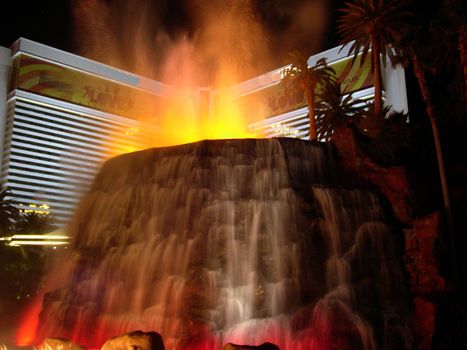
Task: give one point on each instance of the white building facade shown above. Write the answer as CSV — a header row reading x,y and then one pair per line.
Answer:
x,y
62,115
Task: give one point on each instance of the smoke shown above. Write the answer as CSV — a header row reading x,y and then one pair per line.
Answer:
x,y
243,37
196,43
295,24
125,34
231,43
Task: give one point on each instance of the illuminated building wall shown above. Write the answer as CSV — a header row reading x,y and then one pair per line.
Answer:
x,y
65,115
285,113
5,64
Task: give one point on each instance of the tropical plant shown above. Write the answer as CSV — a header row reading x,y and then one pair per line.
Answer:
x,y
336,109
374,26
33,223
387,134
371,123
8,212
300,75
448,57
416,49
384,28
21,268
21,271
453,22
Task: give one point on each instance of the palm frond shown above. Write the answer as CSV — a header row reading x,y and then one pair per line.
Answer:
x,y
8,211
368,21
335,109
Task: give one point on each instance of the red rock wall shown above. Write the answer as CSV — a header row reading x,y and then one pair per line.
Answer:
x,y
420,239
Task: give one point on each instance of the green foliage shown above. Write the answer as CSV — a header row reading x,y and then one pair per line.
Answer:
x,y
370,122
305,78
335,109
21,271
374,22
21,268
374,26
385,137
8,212
447,33
33,223
300,75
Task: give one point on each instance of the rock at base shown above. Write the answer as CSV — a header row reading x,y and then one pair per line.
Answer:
x,y
136,340
59,344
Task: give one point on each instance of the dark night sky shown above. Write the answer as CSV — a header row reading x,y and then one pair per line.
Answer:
x,y
53,23
56,23
46,21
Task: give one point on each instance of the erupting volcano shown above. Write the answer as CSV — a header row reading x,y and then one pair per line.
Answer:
x,y
244,241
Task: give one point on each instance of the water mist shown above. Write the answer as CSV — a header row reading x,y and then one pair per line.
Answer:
x,y
239,241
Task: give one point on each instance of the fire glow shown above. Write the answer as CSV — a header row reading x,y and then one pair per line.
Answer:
x,y
228,49
230,46
26,333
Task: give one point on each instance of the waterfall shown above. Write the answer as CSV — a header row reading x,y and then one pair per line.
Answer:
x,y
242,241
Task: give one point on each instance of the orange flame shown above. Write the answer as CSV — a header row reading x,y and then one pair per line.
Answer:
x,y
26,333
229,46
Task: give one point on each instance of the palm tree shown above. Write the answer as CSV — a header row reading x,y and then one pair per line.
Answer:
x,y
453,21
416,49
34,223
373,25
385,137
8,212
300,75
335,109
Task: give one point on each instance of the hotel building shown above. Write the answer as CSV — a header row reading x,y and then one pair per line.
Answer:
x,y
61,115
285,112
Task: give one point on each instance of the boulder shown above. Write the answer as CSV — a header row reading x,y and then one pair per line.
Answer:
x,y
136,340
59,344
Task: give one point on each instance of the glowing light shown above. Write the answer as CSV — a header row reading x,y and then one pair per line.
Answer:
x,y
46,237
221,118
284,71
125,149
34,208
44,240
20,243
26,334
284,130
131,131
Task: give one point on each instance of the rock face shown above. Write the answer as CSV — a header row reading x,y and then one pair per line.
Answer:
x,y
136,340
241,241
426,284
393,182
421,234
421,263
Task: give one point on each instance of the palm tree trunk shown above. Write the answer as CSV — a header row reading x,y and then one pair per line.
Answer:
x,y
420,74
378,100
463,56
310,100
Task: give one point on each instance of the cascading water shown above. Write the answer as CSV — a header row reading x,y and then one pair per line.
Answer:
x,y
240,241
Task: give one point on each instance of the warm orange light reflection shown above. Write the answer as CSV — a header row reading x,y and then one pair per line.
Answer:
x,y
187,123
195,100
26,333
